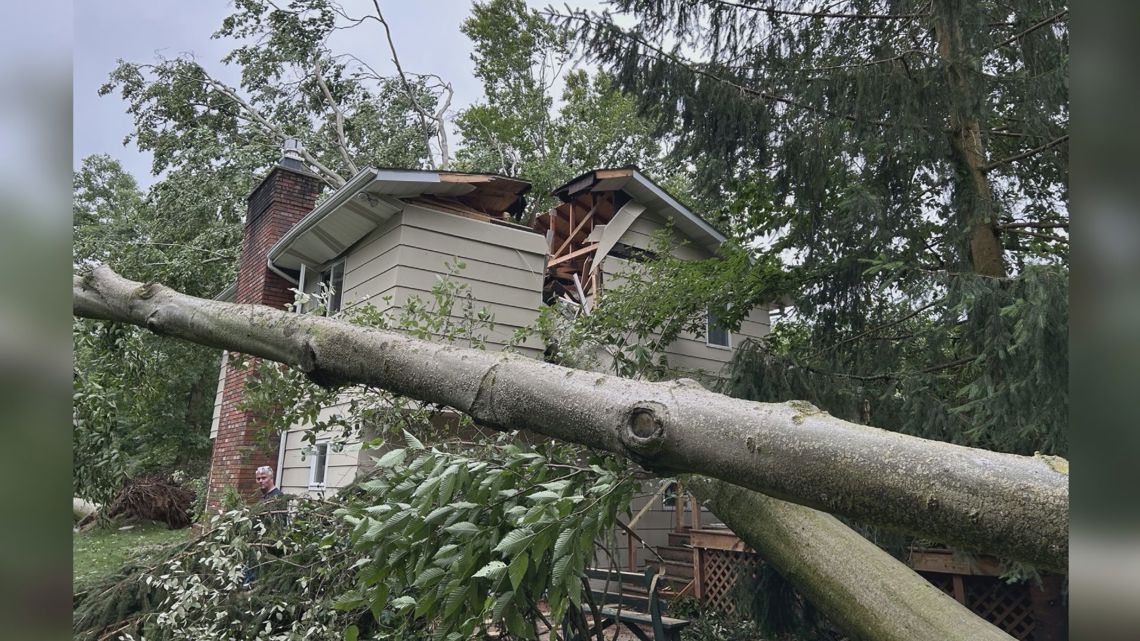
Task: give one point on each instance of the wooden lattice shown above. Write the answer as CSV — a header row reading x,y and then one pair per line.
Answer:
x,y
720,570
943,582
1008,606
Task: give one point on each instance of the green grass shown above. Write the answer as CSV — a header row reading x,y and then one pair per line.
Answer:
x,y
99,552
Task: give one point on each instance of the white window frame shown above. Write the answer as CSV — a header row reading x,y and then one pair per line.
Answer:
x,y
708,333
314,457
338,292
304,283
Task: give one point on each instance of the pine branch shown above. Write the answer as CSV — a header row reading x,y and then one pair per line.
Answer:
x,y
895,375
1032,225
772,10
875,329
1017,36
694,68
1051,237
1025,154
869,63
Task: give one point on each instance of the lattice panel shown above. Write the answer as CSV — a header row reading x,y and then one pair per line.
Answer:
x,y
944,582
1008,606
719,572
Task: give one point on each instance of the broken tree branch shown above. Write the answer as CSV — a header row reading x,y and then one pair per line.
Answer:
x,y
341,139
1008,505
868,593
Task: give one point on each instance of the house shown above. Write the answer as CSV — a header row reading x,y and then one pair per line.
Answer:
x,y
388,234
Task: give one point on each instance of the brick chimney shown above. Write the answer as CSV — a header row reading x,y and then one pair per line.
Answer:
x,y
282,199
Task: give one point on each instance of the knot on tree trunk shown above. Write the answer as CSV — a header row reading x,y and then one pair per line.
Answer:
x,y
643,428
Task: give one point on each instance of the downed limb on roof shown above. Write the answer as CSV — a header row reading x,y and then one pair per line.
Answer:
x,y
1008,505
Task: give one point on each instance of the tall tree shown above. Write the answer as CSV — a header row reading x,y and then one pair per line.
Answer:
x,y
908,162
210,142
134,413
520,129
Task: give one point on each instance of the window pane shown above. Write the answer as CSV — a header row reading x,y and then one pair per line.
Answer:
x,y
320,460
715,334
336,282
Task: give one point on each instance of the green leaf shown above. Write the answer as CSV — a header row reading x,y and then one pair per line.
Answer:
x,y
560,569
563,543
501,603
492,570
517,569
556,486
349,601
400,603
446,550
438,514
391,459
514,540
351,633
447,485
413,442
515,623
543,497
461,528
456,594
429,576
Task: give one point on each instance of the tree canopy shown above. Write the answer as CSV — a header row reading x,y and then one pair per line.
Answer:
x,y
907,163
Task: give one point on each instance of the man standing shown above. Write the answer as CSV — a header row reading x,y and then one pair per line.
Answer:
x,y
265,480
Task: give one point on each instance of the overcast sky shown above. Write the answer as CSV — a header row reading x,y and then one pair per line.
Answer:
x,y
426,34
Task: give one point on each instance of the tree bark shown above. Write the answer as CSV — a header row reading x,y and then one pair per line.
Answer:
x,y
1003,504
978,215
868,593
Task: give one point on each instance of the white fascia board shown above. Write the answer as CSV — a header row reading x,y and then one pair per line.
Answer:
x,y
354,186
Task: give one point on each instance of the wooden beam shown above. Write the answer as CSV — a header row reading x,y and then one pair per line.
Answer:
x,y
558,223
572,255
574,230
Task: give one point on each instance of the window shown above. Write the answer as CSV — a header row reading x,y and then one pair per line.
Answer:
x,y
329,281
333,280
715,334
318,465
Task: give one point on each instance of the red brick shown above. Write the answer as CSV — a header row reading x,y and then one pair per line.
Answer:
x,y
282,199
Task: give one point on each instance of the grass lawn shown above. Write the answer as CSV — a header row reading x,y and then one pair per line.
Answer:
x,y
98,552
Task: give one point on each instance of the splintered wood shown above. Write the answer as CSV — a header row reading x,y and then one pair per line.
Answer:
x,y
491,199
572,270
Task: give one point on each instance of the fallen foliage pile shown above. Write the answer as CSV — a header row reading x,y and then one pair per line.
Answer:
x,y
150,498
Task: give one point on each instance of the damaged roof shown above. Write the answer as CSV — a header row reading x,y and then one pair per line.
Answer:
x,y
374,195
645,191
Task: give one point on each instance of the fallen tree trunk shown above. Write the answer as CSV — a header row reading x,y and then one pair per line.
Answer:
x,y
1011,506
863,590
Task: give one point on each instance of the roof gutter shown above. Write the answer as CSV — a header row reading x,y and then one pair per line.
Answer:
x,y
273,268
349,190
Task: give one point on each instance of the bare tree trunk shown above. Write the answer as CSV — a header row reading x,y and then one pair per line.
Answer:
x,y
978,214
862,589
1008,505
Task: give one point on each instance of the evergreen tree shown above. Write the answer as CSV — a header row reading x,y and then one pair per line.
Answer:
x,y
908,161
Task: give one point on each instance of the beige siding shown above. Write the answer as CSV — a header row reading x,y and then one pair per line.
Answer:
x,y
218,396
642,234
691,353
296,463
405,258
